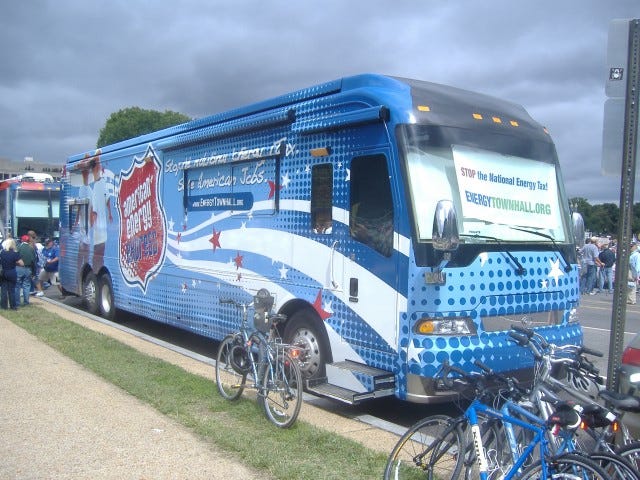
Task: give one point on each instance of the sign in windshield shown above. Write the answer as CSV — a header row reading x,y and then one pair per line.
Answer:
x,y
505,189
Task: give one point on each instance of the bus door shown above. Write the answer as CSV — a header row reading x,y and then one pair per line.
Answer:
x,y
323,219
370,255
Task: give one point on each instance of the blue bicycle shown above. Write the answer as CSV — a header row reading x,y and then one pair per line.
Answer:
x,y
438,447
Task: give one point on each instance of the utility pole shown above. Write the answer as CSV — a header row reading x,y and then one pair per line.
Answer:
x,y
622,88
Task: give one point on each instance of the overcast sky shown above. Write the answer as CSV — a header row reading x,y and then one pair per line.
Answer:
x,y
66,65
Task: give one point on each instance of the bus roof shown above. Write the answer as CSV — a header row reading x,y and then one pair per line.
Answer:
x,y
451,104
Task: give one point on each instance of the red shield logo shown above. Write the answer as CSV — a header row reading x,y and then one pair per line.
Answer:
x,y
142,221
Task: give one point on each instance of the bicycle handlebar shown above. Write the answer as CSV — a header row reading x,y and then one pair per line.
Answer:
x,y
476,379
590,351
274,317
227,300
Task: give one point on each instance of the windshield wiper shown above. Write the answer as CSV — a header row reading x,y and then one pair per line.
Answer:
x,y
567,265
520,270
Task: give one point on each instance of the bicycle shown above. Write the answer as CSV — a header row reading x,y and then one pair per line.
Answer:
x,y
602,424
422,452
256,358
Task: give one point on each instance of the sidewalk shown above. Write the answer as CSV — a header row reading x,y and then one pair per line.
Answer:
x,y
59,420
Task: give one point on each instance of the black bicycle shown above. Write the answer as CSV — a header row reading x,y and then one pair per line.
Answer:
x,y
257,358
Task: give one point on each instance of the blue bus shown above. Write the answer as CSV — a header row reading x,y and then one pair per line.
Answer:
x,y
398,223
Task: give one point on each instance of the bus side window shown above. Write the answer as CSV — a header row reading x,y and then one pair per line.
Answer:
x,y
371,211
79,218
322,198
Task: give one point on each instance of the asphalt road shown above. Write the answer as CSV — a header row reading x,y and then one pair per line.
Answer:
x,y
595,314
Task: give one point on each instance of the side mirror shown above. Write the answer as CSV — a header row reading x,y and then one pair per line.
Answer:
x,y
445,235
578,229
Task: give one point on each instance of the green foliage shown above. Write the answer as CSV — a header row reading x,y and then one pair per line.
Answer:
x,y
133,121
603,219
239,428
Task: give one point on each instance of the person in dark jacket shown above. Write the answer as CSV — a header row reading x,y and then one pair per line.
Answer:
x,y
9,259
608,259
26,271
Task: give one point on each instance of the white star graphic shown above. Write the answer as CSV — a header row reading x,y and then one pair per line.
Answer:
x,y
413,353
555,271
285,180
283,272
484,256
327,306
171,224
544,283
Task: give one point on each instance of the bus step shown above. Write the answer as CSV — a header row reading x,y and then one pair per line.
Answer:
x,y
353,383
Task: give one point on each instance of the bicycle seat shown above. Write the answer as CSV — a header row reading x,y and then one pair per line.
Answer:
x,y
621,401
595,416
565,416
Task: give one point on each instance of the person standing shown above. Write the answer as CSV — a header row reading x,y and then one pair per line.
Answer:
x,y
49,272
10,259
100,213
608,260
634,271
590,253
26,270
82,225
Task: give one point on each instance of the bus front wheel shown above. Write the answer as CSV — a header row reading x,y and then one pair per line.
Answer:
x,y
90,293
302,331
106,302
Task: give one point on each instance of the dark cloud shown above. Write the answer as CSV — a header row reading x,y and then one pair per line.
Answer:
x,y
66,65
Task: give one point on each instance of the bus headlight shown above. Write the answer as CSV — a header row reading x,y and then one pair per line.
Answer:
x,y
445,326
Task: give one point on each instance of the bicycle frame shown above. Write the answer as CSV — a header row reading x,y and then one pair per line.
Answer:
x,y
259,353
537,426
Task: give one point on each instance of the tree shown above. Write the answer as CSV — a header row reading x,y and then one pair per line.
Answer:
x,y
133,121
603,219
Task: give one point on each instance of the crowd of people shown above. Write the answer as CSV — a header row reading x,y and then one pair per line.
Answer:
x,y
27,265
597,260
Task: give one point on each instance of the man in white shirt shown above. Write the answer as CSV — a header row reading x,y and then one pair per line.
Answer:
x,y
634,271
100,212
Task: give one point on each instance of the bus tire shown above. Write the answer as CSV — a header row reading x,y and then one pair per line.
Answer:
x,y
106,301
90,293
303,330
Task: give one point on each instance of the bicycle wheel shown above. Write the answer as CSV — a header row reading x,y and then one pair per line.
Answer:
x,y
282,396
228,377
617,467
631,453
568,466
432,448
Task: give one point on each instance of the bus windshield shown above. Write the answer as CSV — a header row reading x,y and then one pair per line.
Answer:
x,y
504,188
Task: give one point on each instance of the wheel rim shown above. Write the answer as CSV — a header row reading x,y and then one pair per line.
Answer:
x,y
282,399
230,383
105,299
310,359
91,293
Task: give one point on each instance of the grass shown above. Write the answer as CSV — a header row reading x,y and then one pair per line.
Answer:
x,y
239,428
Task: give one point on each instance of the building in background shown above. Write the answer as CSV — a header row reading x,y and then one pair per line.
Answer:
x,y
12,168
29,198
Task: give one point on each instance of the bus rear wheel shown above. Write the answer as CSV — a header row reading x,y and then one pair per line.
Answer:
x,y
90,293
106,304
302,331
